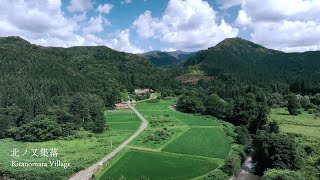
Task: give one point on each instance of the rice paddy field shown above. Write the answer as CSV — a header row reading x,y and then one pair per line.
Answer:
x,y
174,146
161,166
80,150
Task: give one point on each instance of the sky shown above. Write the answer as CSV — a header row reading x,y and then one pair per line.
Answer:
x,y
138,26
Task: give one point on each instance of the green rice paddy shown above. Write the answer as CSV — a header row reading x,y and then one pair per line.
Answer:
x,y
196,146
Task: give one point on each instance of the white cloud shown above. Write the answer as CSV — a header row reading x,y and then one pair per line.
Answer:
x,y
80,5
288,25
96,25
79,17
105,8
121,42
188,25
43,23
243,19
40,22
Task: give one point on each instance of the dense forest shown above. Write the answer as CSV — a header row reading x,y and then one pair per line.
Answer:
x,y
49,92
64,89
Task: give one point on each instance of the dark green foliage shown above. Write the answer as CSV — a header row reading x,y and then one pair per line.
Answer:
x,y
160,58
216,106
244,136
273,127
277,174
316,99
71,86
275,151
232,165
87,110
217,175
41,128
158,136
293,105
190,103
254,63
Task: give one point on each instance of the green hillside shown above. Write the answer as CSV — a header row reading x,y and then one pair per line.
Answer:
x,y
46,86
160,58
253,62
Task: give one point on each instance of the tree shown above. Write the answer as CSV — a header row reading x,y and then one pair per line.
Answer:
x,y
216,106
293,105
275,151
41,128
232,165
279,174
273,127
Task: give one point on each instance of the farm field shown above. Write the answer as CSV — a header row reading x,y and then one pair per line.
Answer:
x,y
174,146
138,164
304,124
304,128
81,150
208,142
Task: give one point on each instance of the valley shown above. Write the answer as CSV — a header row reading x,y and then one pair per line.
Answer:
x,y
205,115
188,146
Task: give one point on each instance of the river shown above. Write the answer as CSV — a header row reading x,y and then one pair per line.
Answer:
x,y
246,172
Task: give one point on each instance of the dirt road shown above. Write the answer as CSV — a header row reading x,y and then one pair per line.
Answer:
x,y
87,173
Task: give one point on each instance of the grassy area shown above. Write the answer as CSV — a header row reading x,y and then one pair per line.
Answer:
x,y
140,140
122,115
174,146
129,126
304,124
282,116
80,151
209,142
154,165
305,129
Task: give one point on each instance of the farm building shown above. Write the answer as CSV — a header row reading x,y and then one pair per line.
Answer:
x,y
121,105
143,91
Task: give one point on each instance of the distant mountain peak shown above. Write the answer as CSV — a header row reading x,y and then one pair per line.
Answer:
x,y
238,43
13,39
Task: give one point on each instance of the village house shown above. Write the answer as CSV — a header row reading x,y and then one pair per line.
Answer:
x,y
143,91
121,105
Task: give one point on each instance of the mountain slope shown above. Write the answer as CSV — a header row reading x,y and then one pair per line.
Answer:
x,y
35,80
160,58
252,62
182,56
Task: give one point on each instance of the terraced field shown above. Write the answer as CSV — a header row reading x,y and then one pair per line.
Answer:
x,y
174,146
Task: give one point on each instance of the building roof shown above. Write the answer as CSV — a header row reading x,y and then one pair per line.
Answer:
x,y
121,105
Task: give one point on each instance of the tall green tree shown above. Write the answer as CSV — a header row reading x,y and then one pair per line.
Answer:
x,y
275,151
293,105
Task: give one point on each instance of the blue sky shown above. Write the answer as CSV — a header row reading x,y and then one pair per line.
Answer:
x,y
138,26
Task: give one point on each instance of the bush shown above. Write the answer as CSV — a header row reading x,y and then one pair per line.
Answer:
x,y
217,175
232,165
277,174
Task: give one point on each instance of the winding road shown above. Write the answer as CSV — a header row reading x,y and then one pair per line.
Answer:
x,y
87,173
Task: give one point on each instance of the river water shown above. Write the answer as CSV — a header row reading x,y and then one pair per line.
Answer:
x,y
246,172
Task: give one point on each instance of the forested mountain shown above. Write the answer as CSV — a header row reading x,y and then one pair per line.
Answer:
x,y
182,56
160,58
254,63
52,85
